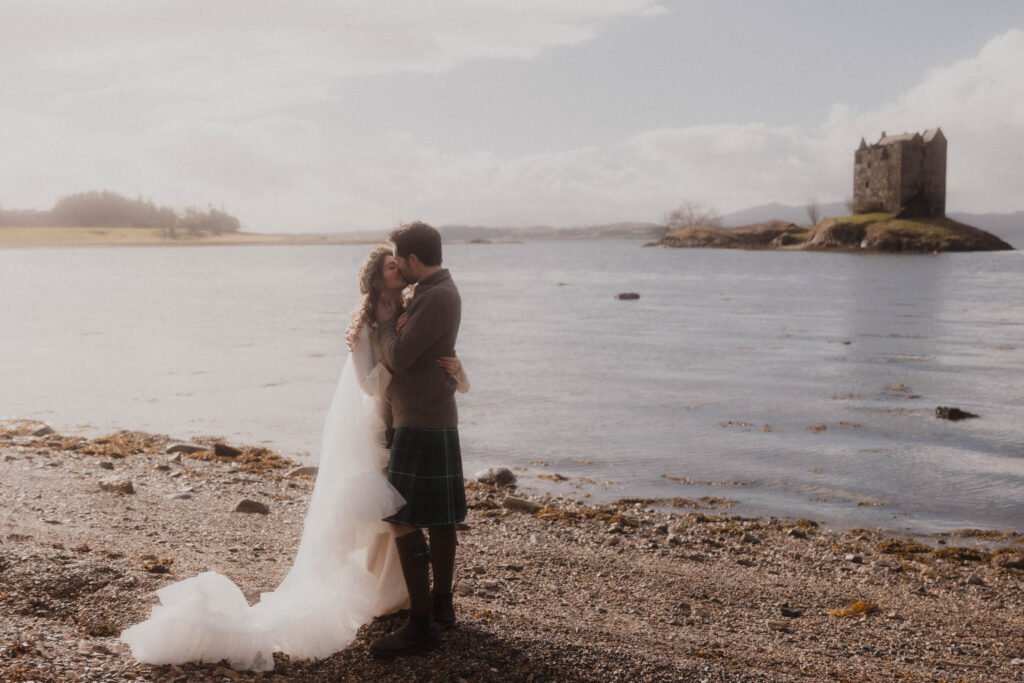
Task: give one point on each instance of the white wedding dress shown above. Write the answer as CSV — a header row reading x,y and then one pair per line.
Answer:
x,y
346,570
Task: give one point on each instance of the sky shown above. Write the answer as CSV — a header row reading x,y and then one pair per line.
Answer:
x,y
303,117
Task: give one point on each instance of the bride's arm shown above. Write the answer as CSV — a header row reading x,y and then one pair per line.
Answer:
x,y
453,366
373,376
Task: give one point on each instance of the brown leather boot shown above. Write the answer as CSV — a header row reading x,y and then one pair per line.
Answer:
x,y
443,542
419,633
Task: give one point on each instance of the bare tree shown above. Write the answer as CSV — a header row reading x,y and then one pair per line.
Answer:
x,y
813,211
692,213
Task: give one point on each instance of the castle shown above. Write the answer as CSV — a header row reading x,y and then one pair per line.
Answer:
x,y
901,174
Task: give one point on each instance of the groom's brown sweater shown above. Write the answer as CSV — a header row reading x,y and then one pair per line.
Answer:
x,y
422,393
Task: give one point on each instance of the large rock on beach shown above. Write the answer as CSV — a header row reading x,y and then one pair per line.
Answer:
x,y
250,506
305,471
186,448
222,450
1008,561
117,485
522,504
496,476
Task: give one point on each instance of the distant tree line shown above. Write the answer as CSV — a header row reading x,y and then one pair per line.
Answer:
x,y
111,210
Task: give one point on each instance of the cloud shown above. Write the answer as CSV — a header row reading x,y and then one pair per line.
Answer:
x,y
978,102
206,102
173,98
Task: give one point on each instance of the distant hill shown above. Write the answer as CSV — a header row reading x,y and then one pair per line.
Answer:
x,y
1007,226
781,212
478,233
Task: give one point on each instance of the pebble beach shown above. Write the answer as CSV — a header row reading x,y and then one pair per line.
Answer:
x,y
547,587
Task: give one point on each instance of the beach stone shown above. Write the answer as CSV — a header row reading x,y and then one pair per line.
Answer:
x,y
951,413
537,539
462,588
305,471
45,430
1008,561
497,476
226,672
627,296
185,448
612,540
175,459
796,533
789,612
750,538
106,465
974,580
179,496
855,559
116,485
523,504
163,467
661,529
777,624
673,539
222,450
252,506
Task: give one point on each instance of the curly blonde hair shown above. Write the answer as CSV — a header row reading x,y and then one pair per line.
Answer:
x,y
371,277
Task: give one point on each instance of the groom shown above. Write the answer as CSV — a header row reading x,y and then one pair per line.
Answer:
x,y
426,463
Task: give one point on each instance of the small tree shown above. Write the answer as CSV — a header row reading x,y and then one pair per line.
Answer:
x,y
813,211
692,213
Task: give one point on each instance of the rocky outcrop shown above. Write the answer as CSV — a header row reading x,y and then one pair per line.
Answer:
x,y
496,476
867,233
831,233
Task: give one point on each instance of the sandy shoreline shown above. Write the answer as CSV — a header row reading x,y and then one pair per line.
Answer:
x,y
569,592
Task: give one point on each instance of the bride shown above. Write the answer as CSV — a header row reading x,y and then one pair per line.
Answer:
x,y
346,570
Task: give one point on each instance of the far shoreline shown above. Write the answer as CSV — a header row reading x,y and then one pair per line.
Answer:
x,y
42,237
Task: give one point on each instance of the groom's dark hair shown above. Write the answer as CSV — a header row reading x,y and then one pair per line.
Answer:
x,y
420,239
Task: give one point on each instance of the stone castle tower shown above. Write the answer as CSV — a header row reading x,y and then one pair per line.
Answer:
x,y
901,174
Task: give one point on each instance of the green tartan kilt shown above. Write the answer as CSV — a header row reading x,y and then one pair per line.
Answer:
x,y
426,468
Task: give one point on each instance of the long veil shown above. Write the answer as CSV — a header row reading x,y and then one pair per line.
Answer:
x,y
327,594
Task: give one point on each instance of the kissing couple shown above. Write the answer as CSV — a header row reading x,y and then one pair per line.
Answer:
x,y
390,466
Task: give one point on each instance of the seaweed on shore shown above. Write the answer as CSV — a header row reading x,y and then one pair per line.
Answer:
x,y
598,514
962,554
254,460
902,548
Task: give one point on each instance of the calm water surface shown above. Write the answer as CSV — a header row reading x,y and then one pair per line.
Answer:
x,y
811,378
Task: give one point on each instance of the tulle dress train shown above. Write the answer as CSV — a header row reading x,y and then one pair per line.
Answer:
x,y
345,571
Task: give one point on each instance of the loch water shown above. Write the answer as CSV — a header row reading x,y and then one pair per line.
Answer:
x,y
801,384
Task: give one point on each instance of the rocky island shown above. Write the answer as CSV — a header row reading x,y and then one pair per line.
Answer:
x,y
875,232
